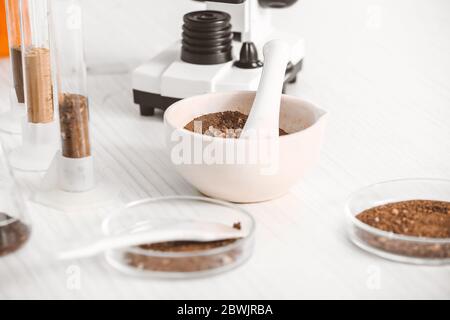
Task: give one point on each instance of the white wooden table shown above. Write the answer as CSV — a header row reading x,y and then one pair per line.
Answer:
x,y
381,68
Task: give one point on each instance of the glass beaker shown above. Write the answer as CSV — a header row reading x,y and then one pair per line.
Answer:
x,y
15,225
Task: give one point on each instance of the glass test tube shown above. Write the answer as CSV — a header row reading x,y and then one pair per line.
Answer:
x,y
72,78
37,61
15,46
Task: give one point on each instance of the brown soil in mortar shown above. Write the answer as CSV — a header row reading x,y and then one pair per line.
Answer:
x,y
228,124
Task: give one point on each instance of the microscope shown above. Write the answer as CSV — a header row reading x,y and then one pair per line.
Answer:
x,y
220,50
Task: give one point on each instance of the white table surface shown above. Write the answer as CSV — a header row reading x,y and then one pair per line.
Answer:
x,y
381,68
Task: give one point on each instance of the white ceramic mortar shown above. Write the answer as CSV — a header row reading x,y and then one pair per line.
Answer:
x,y
244,180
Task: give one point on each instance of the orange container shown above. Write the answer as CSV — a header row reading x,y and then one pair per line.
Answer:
x,y
4,51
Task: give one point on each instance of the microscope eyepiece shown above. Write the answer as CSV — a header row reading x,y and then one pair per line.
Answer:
x,y
276,3
207,37
262,3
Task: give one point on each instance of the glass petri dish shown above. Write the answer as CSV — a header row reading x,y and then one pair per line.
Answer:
x,y
396,247
148,214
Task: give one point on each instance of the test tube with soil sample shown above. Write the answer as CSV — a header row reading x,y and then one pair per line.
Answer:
x,y
72,97
39,140
72,79
11,121
37,62
75,185
14,37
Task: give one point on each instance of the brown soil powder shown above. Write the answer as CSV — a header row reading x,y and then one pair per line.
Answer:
x,y
17,71
13,235
39,86
184,264
418,218
228,124
74,121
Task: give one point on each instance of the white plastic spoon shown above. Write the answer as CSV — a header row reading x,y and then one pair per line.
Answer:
x,y
264,116
185,231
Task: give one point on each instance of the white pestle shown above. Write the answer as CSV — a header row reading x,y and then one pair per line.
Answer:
x,y
264,117
183,231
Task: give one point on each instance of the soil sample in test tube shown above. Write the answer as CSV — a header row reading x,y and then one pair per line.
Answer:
x,y
17,70
14,34
74,122
39,85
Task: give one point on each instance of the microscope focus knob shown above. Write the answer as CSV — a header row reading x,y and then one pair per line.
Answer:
x,y
248,57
